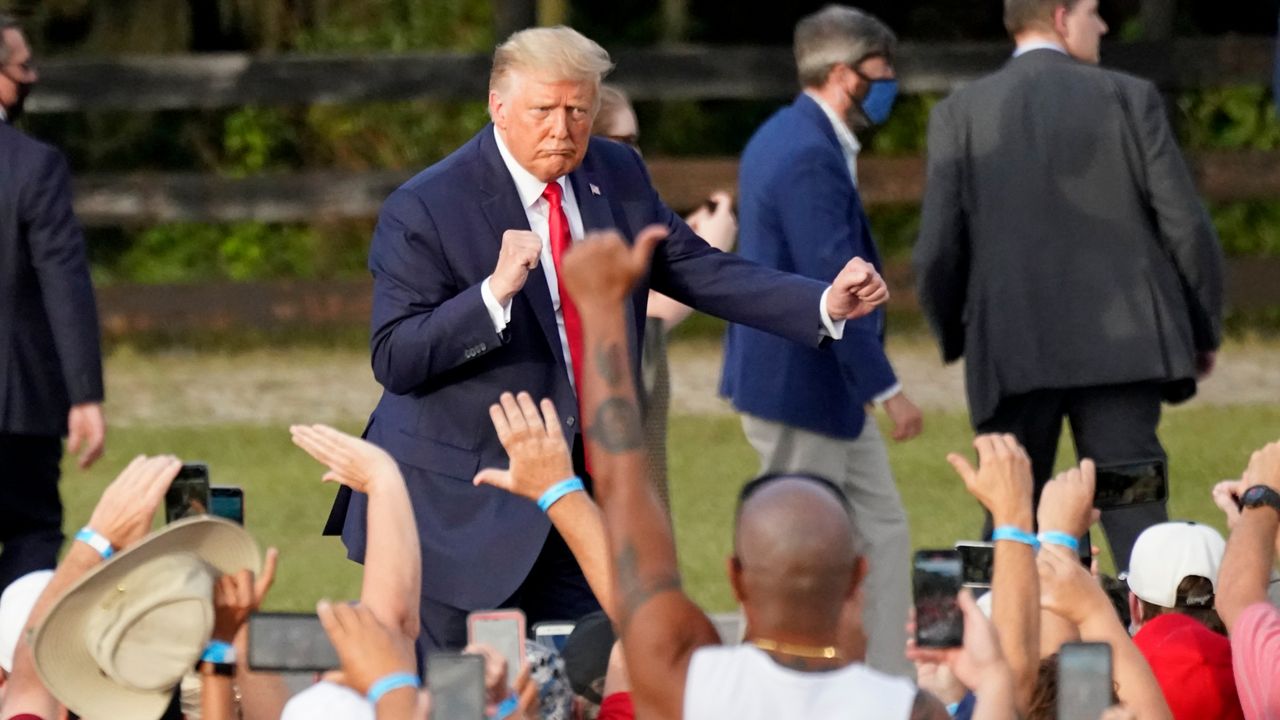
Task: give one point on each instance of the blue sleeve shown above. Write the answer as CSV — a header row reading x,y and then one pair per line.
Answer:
x,y
423,324
824,227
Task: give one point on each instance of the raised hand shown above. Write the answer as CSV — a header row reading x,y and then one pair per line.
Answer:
x,y
519,254
1066,588
535,443
1226,495
856,291
356,463
1066,503
1002,482
977,659
367,649
123,514
1264,467
236,596
602,269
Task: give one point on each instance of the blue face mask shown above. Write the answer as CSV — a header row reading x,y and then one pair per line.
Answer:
x,y
879,100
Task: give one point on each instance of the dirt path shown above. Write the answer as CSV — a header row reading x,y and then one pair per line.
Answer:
x,y
264,386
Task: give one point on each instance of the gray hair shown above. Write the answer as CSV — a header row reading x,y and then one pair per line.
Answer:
x,y
7,22
837,35
553,53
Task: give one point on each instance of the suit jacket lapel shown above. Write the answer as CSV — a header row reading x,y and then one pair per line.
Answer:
x,y
504,212
592,203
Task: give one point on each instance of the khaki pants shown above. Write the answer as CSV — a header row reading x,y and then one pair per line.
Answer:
x,y
860,467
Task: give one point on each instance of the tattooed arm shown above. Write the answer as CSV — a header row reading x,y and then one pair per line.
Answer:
x,y
660,626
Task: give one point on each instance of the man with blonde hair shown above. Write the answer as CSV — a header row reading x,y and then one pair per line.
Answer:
x,y
468,303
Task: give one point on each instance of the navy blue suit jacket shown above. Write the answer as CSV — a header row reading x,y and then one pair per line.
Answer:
x,y
441,363
50,356
800,212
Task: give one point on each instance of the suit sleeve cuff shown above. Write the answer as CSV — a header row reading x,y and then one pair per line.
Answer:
x,y
499,314
833,329
892,390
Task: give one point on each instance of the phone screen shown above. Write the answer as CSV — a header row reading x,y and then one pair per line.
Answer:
x,y
289,642
977,563
188,495
1132,484
553,634
936,577
456,683
1084,680
227,502
502,630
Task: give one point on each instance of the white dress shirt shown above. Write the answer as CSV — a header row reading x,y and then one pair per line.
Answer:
x,y
537,210
1030,45
850,146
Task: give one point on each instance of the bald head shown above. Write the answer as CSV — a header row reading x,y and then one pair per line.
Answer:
x,y
795,545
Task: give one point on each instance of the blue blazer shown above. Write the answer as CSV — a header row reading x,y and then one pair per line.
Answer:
x,y
50,357
799,212
441,364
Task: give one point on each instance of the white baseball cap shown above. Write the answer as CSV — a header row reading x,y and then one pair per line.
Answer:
x,y
328,700
1164,554
15,609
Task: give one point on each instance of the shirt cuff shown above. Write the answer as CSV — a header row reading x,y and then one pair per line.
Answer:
x,y
499,314
833,329
893,389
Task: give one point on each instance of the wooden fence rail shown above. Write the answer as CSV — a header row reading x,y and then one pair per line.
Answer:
x,y
106,200
322,304
148,83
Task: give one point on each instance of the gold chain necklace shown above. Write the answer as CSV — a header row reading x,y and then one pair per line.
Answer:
x,y
828,652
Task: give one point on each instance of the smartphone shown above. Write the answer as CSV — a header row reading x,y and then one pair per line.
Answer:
x,y
977,563
937,578
188,495
456,682
1084,680
227,501
504,631
289,642
1130,484
553,634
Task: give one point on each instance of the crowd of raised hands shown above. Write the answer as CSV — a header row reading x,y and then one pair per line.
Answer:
x,y
1042,596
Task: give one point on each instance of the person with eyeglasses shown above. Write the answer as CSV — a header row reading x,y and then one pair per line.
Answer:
x,y
50,356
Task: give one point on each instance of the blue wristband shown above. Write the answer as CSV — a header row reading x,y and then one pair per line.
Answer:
x,y
394,681
218,652
1060,538
505,709
1009,532
559,490
95,540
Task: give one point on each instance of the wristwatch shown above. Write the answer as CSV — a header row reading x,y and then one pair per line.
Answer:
x,y
1260,496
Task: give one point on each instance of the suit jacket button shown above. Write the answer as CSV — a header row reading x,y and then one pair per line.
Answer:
x,y
570,421
481,347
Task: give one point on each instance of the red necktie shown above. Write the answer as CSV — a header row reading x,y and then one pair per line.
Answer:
x,y
558,232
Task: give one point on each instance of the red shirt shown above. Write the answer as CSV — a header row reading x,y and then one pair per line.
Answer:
x,y
1193,666
617,707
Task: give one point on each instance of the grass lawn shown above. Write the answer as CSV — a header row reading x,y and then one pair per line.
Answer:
x,y
286,504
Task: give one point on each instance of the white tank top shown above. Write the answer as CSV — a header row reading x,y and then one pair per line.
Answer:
x,y
744,683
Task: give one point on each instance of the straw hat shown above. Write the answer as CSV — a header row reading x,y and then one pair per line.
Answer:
x,y
118,642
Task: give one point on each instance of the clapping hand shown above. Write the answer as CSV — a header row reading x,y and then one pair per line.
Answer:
x,y
356,463
1066,503
123,514
534,442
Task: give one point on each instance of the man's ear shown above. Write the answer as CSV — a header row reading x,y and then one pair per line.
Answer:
x,y
497,110
1135,610
1060,21
734,568
859,574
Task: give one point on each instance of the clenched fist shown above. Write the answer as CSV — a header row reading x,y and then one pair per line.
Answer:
x,y
519,254
856,291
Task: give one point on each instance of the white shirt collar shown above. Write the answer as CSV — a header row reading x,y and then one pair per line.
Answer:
x,y
529,187
848,141
1027,47
4,116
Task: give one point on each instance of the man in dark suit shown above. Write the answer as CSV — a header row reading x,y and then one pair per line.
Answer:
x,y
1064,253
467,304
803,409
50,362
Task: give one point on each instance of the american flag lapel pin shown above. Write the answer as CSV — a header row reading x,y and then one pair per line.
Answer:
x,y
595,189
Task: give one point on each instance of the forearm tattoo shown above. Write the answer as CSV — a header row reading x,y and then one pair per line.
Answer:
x,y
635,590
617,426
611,364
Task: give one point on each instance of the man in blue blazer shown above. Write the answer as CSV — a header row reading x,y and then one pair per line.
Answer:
x,y
467,304
803,409
50,361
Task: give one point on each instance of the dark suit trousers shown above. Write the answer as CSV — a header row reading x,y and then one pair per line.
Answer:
x,y
1110,424
554,589
30,510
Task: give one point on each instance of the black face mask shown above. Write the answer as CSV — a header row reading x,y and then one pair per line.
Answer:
x,y
14,111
